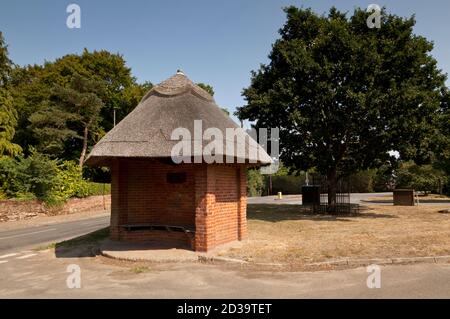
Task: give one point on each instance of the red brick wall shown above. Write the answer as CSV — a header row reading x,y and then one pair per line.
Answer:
x,y
151,199
221,204
226,206
212,200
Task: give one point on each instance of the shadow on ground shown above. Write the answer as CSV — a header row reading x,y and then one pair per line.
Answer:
x,y
89,245
281,212
82,246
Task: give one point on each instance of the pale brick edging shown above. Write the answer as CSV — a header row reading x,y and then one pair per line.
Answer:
x,y
336,263
385,261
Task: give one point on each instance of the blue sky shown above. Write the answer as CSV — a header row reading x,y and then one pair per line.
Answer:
x,y
216,42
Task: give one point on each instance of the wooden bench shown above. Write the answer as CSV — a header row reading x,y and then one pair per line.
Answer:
x,y
169,228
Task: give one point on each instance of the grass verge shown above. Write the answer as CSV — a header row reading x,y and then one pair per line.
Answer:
x,y
285,234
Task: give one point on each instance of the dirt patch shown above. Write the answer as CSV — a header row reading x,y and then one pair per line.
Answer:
x,y
283,234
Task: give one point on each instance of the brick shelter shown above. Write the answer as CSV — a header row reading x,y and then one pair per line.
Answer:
x,y
192,204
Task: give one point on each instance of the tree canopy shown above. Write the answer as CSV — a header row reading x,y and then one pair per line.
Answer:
x,y
8,114
208,88
45,120
344,95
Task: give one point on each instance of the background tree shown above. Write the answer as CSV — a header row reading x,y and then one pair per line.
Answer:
x,y
80,98
344,95
442,152
420,177
5,62
50,129
33,87
8,115
8,122
208,88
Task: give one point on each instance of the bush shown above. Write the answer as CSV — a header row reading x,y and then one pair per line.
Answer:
x,y
29,177
255,183
288,184
98,188
420,177
39,177
68,183
362,182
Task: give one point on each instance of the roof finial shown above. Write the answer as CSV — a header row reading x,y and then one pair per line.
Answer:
x,y
179,71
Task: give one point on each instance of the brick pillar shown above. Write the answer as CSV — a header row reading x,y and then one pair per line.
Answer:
x,y
242,202
204,208
118,198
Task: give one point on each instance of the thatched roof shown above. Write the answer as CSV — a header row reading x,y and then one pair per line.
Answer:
x,y
146,131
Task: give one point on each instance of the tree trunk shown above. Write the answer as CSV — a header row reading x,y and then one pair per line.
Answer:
x,y
332,189
85,141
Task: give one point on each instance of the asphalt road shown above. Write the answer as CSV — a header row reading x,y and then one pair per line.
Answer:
x,y
355,198
13,240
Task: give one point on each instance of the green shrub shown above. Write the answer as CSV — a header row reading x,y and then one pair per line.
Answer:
x,y
69,183
38,177
420,177
98,188
362,182
27,177
255,183
8,173
288,184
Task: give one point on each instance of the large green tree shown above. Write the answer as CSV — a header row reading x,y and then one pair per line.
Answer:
x,y
81,98
8,114
73,113
442,151
33,89
344,95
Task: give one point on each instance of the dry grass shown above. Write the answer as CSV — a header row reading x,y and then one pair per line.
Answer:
x,y
283,234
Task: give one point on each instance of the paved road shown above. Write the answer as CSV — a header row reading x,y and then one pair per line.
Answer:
x,y
355,198
12,240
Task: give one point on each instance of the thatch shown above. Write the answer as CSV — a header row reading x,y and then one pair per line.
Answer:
x,y
146,131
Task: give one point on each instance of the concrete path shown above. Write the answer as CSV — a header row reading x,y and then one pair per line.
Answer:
x,y
42,275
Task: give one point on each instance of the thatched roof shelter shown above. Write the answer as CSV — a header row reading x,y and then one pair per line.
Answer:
x,y
195,204
174,103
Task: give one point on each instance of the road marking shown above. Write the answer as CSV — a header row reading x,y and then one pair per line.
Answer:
x,y
3,261
26,234
26,256
8,255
